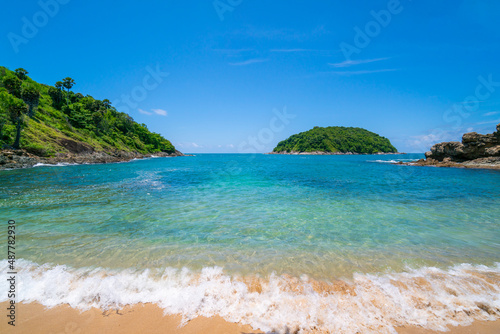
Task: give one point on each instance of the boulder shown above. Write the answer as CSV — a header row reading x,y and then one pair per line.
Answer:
x,y
473,146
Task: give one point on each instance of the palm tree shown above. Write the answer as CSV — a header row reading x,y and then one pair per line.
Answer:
x,y
68,83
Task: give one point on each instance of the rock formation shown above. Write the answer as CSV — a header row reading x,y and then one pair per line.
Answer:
x,y
14,159
475,150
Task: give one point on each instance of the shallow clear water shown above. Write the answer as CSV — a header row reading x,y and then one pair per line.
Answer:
x,y
324,216
327,217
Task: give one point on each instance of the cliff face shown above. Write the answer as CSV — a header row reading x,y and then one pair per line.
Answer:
x,y
475,150
473,146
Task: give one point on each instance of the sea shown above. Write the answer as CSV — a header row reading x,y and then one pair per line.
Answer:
x,y
339,244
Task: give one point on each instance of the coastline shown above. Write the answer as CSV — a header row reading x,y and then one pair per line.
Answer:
x,y
35,318
331,153
482,163
20,159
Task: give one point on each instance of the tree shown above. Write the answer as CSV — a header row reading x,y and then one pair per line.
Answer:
x,y
21,73
59,85
13,84
31,96
16,109
57,97
2,123
106,104
68,83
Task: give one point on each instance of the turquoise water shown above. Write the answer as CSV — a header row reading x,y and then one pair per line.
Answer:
x,y
327,217
319,215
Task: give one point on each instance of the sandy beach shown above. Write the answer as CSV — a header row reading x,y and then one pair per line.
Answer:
x,y
148,318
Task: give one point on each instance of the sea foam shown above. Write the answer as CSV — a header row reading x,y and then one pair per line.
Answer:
x,y
428,297
59,164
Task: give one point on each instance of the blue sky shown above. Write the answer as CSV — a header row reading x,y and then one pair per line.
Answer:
x,y
241,75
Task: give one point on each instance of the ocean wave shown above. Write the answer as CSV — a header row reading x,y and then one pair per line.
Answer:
x,y
59,164
428,297
393,161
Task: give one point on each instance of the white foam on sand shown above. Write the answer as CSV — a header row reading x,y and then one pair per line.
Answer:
x,y
428,297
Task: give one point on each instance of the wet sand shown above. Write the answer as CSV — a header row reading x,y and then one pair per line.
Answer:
x,y
147,318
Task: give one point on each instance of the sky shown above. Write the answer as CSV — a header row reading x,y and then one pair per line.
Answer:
x,y
238,76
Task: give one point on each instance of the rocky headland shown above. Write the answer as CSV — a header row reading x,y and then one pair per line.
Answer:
x,y
43,124
475,151
15,159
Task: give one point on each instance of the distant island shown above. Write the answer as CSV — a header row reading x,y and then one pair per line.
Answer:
x,y
50,124
475,151
335,140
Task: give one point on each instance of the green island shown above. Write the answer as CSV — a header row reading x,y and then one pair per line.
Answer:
x,y
335,140
46,121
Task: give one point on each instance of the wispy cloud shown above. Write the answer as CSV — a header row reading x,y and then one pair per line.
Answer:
x,y
491,113
424,142
489,122
160,112
188,145
281,34
361,72
317,52
145,112
291,50
249,62
233,52
470,102
348,63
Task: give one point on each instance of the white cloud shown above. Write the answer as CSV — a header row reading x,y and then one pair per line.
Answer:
x,y
188,145
491,113
291,50
423,143
488,122
160,112
249,62
363,71
230,146
145,112
233,51
348,63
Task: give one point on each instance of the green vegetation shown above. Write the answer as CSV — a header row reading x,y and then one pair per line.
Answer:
x,y
336,139
43,119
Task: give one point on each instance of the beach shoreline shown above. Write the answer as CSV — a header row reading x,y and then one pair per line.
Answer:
x,y
149,318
